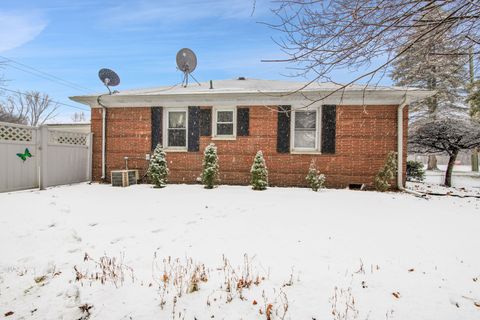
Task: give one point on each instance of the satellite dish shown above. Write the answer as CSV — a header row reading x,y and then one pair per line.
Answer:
x,y
186,62
109,78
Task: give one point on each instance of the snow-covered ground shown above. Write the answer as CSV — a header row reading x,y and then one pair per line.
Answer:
x,y
241,254
460,179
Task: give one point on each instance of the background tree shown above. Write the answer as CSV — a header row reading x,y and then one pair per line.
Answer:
x,y
474,100
473,88
32,108
324,36
8,113
445,136
420,67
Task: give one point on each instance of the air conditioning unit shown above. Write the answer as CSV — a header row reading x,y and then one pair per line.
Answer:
x,y
124,178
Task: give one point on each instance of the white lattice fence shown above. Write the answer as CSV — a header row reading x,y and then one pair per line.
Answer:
x,y
69,138
33,157
15,133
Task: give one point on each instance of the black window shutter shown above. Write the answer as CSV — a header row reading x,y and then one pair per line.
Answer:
x,y
156,126
193,128
283,129
329,119
205,122
243,121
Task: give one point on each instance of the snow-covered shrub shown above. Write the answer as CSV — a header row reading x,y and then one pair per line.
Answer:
x,y
210,167
158,169
387,173
315,179
415,171
259,180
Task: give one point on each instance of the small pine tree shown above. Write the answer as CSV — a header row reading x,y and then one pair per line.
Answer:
x,y
387,173
315,179
210,167
259,172
157,169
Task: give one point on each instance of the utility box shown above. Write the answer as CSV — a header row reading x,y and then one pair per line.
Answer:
x,y
124,178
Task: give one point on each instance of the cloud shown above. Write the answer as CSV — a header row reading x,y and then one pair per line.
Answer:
x,y
146,11
16,29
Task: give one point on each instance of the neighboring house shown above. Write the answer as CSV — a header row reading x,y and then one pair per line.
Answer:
x,y
348,133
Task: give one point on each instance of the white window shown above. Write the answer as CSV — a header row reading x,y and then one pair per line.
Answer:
x,y
224,123
175,135
305,130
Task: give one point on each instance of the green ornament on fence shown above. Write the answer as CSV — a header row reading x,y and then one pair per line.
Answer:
x,y
24,155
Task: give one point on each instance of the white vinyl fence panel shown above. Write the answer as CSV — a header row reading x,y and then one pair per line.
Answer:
x,y
16,174
58,157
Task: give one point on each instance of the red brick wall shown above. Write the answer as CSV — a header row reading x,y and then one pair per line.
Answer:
x,y
128,135
364,137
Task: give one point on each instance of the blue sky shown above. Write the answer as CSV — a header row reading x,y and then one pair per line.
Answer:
x,y
139,39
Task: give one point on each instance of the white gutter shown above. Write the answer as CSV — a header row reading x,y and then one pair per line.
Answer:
x,y
400,143
104,131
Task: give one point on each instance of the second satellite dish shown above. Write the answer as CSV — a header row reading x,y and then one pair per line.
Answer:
x,y
186,62
109,78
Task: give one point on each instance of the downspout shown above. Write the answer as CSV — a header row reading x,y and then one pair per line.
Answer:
x,y
400,143
400,149
104,138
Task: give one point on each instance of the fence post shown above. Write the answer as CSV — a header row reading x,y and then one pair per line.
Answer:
x,y
90,155
38,155
43,157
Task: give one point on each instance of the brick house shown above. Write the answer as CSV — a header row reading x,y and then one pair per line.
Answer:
x,y
348,132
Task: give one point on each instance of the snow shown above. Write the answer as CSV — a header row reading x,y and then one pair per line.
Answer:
x,y
363,246
460,178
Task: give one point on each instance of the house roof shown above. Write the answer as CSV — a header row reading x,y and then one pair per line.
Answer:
x,y
257,92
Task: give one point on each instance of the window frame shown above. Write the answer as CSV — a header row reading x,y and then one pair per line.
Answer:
x,y
318,131
215,135
166,115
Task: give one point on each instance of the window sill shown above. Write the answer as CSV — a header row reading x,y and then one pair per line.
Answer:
x,y
305,152
224,138
175,150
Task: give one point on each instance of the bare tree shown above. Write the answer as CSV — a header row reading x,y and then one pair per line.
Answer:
x,y
10,113
79,117
7,115
322,36
445,136
33,108
474,100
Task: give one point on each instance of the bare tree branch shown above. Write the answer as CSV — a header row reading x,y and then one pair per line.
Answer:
x,y
323,36
33,108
